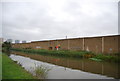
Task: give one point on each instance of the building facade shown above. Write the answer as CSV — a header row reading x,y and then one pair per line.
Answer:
x,y
24,41
103,44
1,40
17,41
9,40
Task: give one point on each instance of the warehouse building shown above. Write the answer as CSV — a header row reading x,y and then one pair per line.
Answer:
x,y
102,44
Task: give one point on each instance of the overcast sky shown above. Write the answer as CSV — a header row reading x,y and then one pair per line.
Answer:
x,y
55,19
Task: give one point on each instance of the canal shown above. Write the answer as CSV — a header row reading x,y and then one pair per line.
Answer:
x,y
68,68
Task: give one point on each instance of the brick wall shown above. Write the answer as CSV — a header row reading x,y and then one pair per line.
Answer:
x,y
93,44
105,44
76,44
111,44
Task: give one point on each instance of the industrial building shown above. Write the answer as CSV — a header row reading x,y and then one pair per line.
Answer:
x,y
1,40
17,41
101,44
9,40
23,41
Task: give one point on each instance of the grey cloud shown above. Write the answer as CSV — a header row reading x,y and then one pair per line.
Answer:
x,y
43,20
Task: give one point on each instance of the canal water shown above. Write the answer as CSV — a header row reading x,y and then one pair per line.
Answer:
x,y
67,68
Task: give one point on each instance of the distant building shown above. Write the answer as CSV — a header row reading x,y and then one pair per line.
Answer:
x,y
17,41
1,40
24,41
9,40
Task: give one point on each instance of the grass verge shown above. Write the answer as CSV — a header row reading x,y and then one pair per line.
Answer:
x,y
11,70
0,65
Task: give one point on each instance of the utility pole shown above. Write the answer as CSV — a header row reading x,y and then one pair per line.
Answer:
x,y
66,37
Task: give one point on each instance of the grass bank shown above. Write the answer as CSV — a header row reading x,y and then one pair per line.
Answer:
x,y
74,54
62,53
0,66
11,70
110,58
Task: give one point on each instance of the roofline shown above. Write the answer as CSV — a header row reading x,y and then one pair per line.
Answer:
x,y
73,38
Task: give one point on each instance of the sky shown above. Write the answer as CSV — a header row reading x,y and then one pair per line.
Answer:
x,y
34,20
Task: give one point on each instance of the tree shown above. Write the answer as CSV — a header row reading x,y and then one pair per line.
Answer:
x,y
6,46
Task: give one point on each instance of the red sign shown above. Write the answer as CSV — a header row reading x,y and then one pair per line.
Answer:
x,y
56,46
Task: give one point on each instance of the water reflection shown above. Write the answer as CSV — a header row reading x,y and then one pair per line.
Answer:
x,y
102,68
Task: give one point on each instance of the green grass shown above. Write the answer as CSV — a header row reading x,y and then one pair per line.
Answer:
x,y
110,58
11,70
0,65
62,53
95,59
74,54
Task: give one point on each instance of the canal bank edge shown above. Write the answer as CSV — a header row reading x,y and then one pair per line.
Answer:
x,y
74,54
11,70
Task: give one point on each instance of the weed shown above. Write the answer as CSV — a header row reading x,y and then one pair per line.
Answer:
x,y
41,71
